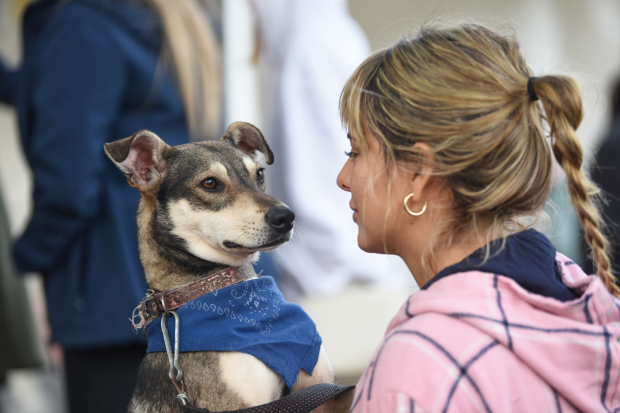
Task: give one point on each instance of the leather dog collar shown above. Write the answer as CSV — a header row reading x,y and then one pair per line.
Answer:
x,y
152,305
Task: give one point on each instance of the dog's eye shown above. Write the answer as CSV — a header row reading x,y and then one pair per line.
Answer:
x,y
209,183
260,175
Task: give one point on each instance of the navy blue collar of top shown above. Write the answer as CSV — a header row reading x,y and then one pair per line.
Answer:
x,y
249,317
528,258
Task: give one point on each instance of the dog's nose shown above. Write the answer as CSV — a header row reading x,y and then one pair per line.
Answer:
x,y
280,218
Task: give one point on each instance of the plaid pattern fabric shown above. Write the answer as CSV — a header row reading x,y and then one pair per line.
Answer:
x,y
479,342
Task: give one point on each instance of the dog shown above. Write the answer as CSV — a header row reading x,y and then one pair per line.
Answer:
x,y
203,208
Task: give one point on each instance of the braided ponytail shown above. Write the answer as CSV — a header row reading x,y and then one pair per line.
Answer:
x,y
561,99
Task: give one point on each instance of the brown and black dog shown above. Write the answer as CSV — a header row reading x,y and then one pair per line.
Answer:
x,y
203,209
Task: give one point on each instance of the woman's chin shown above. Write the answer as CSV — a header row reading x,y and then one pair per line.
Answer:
x,y
369,247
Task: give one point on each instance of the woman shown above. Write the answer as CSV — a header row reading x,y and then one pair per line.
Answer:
x,y
95,71
449,167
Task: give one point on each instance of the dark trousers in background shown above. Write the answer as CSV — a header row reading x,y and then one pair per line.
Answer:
x,y
102,379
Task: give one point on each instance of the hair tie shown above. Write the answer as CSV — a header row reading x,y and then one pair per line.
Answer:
x,y
530,89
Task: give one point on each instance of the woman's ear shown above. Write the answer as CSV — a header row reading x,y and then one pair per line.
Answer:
x,y
423,173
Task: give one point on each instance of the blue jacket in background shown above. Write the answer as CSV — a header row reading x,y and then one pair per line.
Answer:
x,y
90,75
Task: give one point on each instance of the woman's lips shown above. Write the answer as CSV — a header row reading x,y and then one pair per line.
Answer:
x,y
354,215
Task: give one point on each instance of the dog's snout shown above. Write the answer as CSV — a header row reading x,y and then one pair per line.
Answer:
x,y
280,218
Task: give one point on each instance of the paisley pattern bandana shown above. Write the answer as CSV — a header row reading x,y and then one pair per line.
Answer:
x,y
250,317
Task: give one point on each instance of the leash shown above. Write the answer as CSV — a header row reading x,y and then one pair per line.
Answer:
x,y
302,401
175,373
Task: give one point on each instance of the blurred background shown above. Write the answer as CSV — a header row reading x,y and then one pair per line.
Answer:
x,y
293,99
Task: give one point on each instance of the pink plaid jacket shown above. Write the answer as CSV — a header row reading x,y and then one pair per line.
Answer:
x,y
479,342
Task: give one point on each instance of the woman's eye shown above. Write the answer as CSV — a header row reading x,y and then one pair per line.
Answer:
x,y
209,183
260,175
350,154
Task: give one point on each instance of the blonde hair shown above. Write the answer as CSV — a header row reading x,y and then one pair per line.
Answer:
x,y
463,90
190,41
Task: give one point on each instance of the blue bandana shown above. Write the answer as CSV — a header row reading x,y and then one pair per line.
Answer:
x,y
249,317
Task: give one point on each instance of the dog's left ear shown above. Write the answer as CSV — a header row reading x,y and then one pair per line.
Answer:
x,y
247,138
143,158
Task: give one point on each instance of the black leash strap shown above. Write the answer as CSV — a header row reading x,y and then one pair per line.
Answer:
x,y
302,401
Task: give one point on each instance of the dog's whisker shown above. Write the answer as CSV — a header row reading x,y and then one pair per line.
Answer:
x,y
197,242
232,227
301,218
237,239
297,234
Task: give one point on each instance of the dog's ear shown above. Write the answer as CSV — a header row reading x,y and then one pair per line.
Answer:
x,y
143,158
247,138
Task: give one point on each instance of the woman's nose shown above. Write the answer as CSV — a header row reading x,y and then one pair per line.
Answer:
x,y
343,177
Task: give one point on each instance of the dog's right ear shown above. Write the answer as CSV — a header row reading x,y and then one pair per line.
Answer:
x,y
248,139
143,158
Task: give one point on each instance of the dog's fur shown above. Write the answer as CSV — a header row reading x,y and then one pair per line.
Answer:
x,y
186,232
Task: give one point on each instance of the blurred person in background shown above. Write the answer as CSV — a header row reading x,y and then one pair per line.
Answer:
x,y
95,71
308,49
605,172
19,346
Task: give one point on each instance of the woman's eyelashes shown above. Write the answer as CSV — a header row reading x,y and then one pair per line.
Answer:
x,y
350,154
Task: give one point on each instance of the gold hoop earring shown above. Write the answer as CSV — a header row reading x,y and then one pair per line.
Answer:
x,y
415,214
